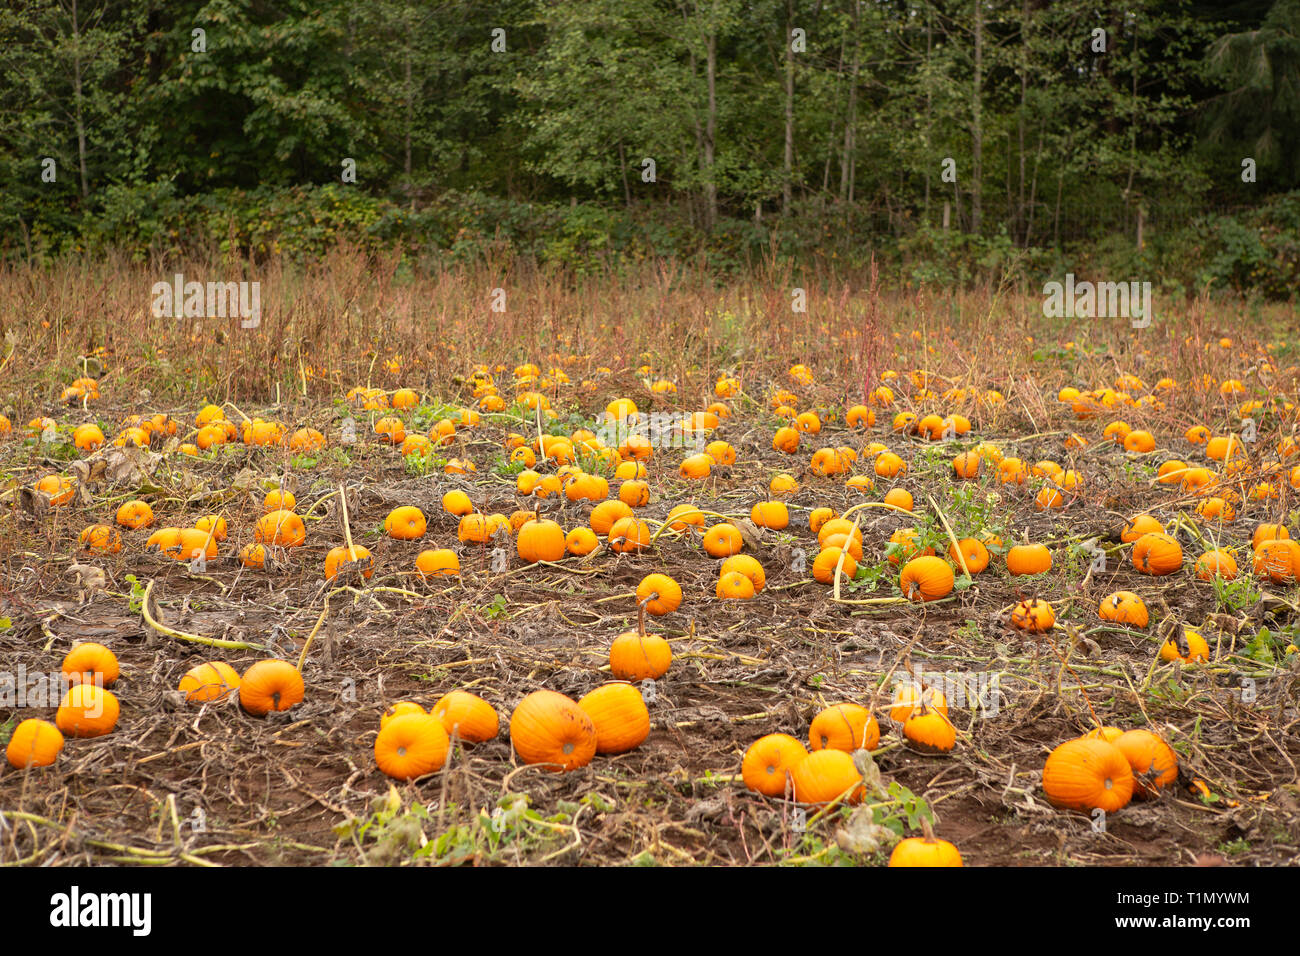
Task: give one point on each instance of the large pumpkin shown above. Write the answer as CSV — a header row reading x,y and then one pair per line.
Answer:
x,y
1088,774
619,714
410,746
548,728
1157,553
270,685
541,541
926,578
768,763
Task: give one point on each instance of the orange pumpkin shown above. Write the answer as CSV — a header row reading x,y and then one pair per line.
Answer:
x,y
723,540
1029,559
628,534
1154,763
34,743
619,715
270,685
548,728
209,682
468,716
930,731
974,551
90,663
341,556
405,523
660,594
824,775
747,566
101,539
732,585
1124,607
1157,553
1214,563
281,528
441,561
540,541
411,745
634,656
1277,560
769,761
1035,616
927,578
87,711
846,727
827,559
1087,774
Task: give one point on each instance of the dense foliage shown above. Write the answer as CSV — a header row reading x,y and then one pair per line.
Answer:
x,y
950,139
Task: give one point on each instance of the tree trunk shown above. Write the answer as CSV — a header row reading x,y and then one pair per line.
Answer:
x,y
787,168
81,123
711,128
850,122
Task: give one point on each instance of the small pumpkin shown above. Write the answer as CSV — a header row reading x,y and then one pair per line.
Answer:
x,y
1154,763
634,656
925,851
1277,560
411,745
34,743
628,535
399,709
90,663
1088,774
340,557
927,578
87,711
747,566
823,569
659,593
540,541
930,731
846,727
550,729
1029,559
1140,525
723,540
732,585
1033,615
468,716
1216,563
405,523
974,551
768,763
770,514
437,561
1157,553
1124,607
270,685
1186,646
281,528
100,539
213,681
619,714
824,775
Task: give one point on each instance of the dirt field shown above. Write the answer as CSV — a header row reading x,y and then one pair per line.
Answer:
x,y
211,785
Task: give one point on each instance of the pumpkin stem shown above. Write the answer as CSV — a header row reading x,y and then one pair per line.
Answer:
x,y
347,531
927,830
640,620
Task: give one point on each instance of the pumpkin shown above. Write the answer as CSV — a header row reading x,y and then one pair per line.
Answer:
x,y
405,523
270,685
974,551
1049,497
826,462
926,578
457,503
90,663
889,465
581,541
837,526
1157,553
786,485
1029,559
209,682
467,715
846,727
1186,645
1216,509
786,439
340,557
1034,615
824,775
440,561
683,517
1107,734
768,761
966,465
659,593
904,539
721,452
214,524
634,494
411,745
604,515
1139,442
747,566
548,728
34,743
1171,472
770,514
930,731
619,715
87,438
277,501
101,539
540,541
635,656
1268,532
87,710
135,515
399,709
1278,560
281,528
859,416
1140,525
899,498
732,585
1124,607
1216,563
629,534
925,851
818,517
824,565
1011,471
1154,763
1087,774
842,541
723,540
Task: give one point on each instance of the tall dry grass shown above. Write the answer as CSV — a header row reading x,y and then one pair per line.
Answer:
x,y
356,319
